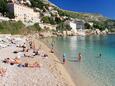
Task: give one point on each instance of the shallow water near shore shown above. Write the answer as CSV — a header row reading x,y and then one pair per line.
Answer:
x,y
93,70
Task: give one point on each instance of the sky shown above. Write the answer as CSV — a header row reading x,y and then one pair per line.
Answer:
x,y
104,7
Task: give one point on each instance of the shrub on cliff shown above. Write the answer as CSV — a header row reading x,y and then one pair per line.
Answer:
x,y
3,7
48,20
37,3
87,26
58,20
37,27
63,27
99,26
34,28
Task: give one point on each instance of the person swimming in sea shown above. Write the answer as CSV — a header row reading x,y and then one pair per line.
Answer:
x,y
99,56
64,58
79,57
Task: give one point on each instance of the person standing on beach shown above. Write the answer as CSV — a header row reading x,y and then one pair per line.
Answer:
x,y
79,57
64,58
52,47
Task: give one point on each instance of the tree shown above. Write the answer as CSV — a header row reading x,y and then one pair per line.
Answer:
x,y
99,26
87,26
62,27
37,27
45,19
3,7
57,20
68,27
48,20
61,13
37,3
52,21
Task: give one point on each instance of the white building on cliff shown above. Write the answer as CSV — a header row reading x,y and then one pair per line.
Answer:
x,y
77,26
23,13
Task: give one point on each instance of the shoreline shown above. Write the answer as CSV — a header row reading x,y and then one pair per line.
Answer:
x,y
51,72
79,79
58,64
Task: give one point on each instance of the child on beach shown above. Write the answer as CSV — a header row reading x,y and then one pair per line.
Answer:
x,y
64,58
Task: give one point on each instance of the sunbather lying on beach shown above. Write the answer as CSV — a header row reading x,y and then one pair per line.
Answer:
x,y
12,61
32,53
33,65
2,71
6,60
16,61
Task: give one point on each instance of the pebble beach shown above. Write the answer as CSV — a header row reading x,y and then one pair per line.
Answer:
x,y
50,73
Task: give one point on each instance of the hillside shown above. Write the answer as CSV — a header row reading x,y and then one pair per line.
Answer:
x,y
53,15
88,17
45,3
84,16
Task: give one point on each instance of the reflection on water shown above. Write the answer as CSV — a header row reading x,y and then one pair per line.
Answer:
x,y
99,71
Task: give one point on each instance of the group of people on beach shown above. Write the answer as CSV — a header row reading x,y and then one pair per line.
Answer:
x,y
25,47
19,63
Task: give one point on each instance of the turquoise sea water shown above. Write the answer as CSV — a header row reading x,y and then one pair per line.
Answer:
x,y
92,70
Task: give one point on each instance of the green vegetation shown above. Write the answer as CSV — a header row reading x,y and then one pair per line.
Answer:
x,y
112,30
63,27
51,20
69,14
19,28
110,23
87,26
48,20
37,3
13,27
99,25
35,28
3,7
58,20
84,16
